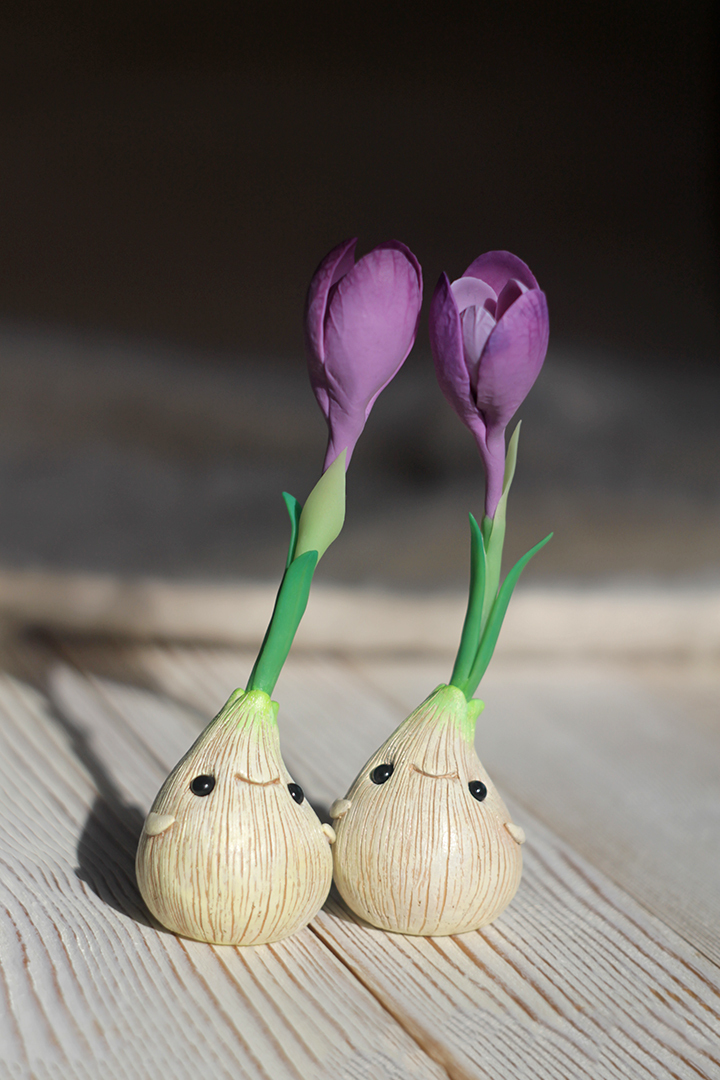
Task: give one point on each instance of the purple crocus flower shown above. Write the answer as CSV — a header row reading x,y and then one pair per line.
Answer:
x,y
360,324
489,335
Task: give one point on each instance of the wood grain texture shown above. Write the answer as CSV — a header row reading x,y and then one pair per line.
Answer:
x,y
576,978
615,767
90,987
573,980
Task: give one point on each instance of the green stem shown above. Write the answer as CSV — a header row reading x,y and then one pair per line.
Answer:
x,y
491,633
294,510
472,627
289,609
488,601
312,529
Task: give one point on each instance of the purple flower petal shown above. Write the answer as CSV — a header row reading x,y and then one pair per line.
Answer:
x,y
512,290
497,267
512,358
471,292
335,264
360,324
397,245
446,342
477,326
370,326
416,304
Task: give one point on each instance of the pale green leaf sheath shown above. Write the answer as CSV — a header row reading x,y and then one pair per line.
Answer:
x,y
323,515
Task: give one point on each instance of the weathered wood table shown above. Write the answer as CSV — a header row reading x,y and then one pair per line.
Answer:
x,y
607,964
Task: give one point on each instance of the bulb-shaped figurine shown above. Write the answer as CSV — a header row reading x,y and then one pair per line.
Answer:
x,y
425,845
231,851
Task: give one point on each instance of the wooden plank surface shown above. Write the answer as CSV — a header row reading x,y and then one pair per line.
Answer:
x,y
90,984
597,969
626,773
614,621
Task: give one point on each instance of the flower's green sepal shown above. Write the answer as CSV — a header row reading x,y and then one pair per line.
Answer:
x,y
324,512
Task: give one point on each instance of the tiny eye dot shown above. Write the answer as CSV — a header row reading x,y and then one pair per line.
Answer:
x,y
202,785
297,793
477,790
381,773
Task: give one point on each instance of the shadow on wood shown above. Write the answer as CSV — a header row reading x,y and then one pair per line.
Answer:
x,y
106,856
108,842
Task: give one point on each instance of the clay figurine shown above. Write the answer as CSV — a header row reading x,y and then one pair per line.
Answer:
x,y
231,851
424,843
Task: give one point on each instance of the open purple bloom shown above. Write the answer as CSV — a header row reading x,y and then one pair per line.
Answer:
x,y
360,324
489,335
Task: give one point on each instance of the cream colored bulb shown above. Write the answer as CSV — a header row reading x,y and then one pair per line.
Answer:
x,y
244,862
416,851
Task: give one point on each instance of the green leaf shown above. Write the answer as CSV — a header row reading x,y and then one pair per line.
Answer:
x,y
495,621
294,510
472,626
289,609
324,512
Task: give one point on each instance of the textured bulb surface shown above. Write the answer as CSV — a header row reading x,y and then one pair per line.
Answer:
x,y
244,862
419,854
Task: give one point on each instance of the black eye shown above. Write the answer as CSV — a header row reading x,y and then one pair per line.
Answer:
x,y
202,785
477,790
381,773
297,793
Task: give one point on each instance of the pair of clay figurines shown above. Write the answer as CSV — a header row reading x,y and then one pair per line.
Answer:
x,y
231,851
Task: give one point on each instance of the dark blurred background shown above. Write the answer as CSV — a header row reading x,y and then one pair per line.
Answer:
x,y
173,172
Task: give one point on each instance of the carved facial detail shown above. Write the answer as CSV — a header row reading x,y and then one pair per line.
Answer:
x,y
382,773
202,785
478,790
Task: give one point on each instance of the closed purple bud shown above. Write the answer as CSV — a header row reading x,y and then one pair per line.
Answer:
x,y
489,335
360,324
